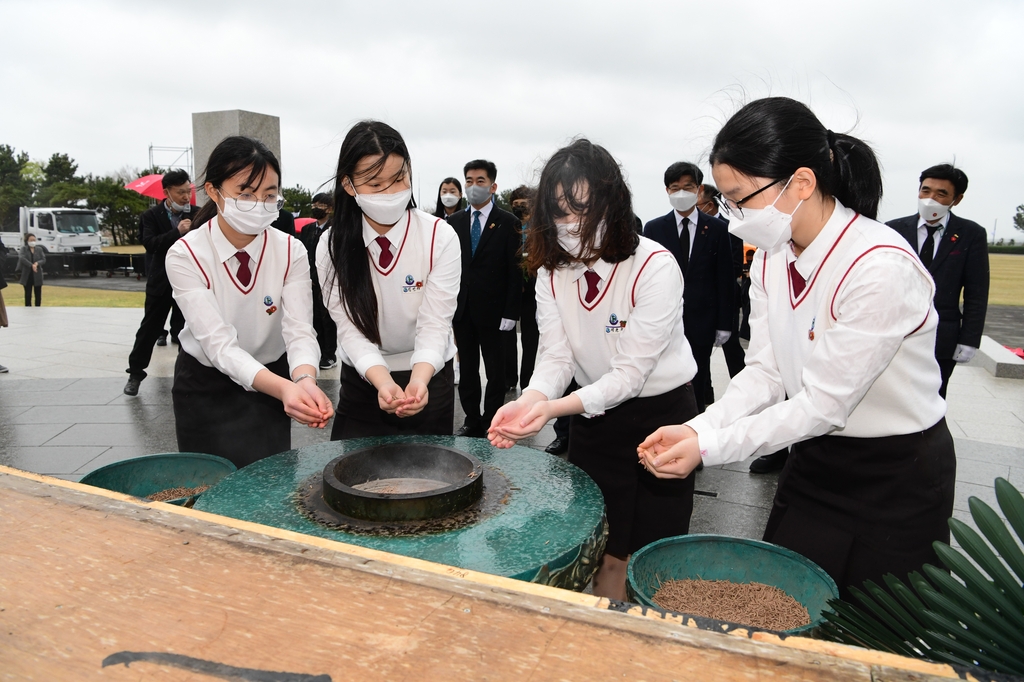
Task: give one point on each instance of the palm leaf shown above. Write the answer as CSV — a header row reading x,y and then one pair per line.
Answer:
x,y
961,596
1012,503
977,549
978,584
980,645
997,534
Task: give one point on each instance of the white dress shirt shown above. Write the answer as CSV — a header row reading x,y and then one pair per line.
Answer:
x,y
922,232
237,328
416,295
627,342
855,351
485,213
692,217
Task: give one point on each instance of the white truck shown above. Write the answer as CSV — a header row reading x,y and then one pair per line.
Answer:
x,y
58,230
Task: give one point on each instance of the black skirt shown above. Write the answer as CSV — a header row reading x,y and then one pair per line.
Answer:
x,y
864,507
359,414
213,414
641,508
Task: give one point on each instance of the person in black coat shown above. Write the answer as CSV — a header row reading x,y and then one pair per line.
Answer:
x,y
955,251
326,330
3,285
161,226
702,248
490,296
31,259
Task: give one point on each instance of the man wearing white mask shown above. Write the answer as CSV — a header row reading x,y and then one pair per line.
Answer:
x,y
701,246
490,296
955,251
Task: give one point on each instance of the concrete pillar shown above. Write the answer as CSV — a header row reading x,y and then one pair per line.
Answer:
x,y
210,127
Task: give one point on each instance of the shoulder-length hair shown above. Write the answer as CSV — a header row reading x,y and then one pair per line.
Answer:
x,y
584,179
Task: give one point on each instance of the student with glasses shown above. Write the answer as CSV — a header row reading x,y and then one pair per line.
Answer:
x,y
840,364
248,353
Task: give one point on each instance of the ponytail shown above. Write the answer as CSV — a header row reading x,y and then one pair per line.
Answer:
x,y
772,137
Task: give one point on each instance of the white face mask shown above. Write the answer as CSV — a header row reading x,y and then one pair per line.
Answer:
x,y
931,210
384,209
569,237
450,200
682,200
766,228
477,195
251,222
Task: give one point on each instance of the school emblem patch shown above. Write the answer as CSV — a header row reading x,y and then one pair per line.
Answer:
x,y
411,285
409,280
613,319
615,325
267,301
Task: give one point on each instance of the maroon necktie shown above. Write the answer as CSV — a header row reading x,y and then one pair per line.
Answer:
x,y
385,251
796,279
592,279
244,274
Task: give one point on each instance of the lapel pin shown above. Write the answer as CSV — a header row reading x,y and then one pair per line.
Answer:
x,y
810,332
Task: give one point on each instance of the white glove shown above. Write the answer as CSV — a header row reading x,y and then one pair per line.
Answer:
x,y
964,353
721,337
507,325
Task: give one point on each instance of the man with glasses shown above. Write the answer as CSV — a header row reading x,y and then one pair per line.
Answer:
x,y
701,246
159,228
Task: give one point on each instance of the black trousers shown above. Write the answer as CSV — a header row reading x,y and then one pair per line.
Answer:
x,y
150,329
323,325
702,380
529,331
641,508
510,340
214,415
474,340
177,322
359,414
946,368
864,507
29,288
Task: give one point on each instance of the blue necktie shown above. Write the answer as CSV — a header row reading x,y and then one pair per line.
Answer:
x,y
474,232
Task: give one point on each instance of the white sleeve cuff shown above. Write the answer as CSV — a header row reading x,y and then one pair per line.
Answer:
x,y
592,399
547,389
707,441
250,368
369,360
435,359
304,357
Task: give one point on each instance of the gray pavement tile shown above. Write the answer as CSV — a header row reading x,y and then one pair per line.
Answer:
x,y
10,384
50,460
1017,477
15,435
988,452
43,398
1003,434
303,435
979,472
727,518
965,490
9,412
93,435
741,487
81,414
110,456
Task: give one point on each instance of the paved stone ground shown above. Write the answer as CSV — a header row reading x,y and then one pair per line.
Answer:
x,y
63,413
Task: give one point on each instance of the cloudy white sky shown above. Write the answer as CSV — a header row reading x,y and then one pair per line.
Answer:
x,y
512,81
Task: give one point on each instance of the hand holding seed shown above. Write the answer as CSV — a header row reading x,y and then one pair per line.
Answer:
x,y
670,452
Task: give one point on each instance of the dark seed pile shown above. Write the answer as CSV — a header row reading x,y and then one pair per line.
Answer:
x,y
753,604
176,493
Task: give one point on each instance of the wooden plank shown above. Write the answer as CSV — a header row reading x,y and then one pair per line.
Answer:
x,y
89,577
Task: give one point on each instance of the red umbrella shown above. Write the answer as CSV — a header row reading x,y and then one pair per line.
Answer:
x,y
302,222
150,186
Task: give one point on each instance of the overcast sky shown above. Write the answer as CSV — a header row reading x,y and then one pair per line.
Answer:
x,y
512,81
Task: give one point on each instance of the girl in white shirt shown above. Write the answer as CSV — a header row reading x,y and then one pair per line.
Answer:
x,y
390,277
610,312
841,364
248,353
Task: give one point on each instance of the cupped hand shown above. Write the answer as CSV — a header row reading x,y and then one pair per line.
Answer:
x,y
527,421
390,397
416,397
323,403
507,415
301,406
670,452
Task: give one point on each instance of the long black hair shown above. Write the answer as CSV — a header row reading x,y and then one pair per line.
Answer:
x,y
608,199
348,253
772,137
229,158
439,209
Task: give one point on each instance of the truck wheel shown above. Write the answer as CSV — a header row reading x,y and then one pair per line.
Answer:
x,y
92,273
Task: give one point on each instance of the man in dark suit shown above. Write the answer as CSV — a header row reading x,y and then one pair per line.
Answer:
x,y
161,226
326,330
701,246
955,251
490,295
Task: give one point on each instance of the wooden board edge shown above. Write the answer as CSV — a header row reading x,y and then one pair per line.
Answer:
x,y
601,611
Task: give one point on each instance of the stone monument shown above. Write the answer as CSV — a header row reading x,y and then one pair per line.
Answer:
x,y
210,127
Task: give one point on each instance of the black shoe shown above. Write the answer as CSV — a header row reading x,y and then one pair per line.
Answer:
x,y
769,463
174,340
700,466
468,431
162,340
132,387
558,446
328,363
3,370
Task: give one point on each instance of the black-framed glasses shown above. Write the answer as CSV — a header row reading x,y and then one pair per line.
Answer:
x,y
247,202
733,208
